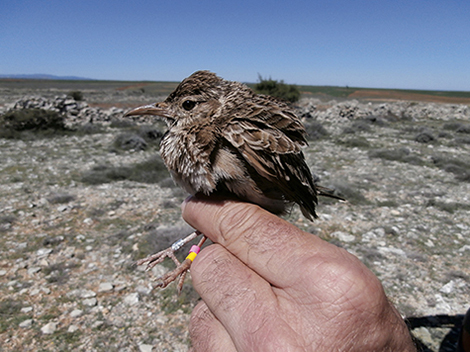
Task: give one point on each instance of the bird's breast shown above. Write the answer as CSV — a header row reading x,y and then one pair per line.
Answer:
x,y
188,161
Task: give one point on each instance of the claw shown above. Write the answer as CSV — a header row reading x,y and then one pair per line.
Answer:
x,y
159,257
181,271
181,268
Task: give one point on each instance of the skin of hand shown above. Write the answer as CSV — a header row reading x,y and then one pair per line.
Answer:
x,y
268,286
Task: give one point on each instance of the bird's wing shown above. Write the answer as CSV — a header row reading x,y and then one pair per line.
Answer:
x,y
279,122
275,157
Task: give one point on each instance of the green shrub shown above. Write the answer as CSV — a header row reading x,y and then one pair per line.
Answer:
x,y
76,95
127,141
10,315
401,154
315,130
276,89
88,128
425,137
150,133
152,170
121,123
453,126
60,198
348,191
355,142
357,126
460,168
32,119
464,129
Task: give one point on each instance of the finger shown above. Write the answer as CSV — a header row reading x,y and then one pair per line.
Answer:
x,y
240,299
207,333
274,248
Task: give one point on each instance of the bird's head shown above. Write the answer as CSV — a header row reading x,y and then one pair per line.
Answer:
x,y
199,98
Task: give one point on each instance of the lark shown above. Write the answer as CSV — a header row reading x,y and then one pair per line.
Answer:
x,y
223,139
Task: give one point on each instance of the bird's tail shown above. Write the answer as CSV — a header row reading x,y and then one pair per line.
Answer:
x,y
328,192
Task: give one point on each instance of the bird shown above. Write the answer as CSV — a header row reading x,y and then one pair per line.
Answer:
x,y
225,140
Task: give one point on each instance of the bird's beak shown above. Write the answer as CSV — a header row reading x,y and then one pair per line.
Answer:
x,y
158,109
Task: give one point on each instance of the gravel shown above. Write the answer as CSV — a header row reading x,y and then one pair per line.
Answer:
x,y
68,247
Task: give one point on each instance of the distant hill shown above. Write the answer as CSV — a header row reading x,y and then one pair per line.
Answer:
x,y
44,76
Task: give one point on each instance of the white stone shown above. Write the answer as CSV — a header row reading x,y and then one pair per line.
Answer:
x,y
76,313
464,248
88,221
143,290
72,328
396,251
34,292
105,287
132,299
49,328
97,324
43,252
429,243
441,305
343,236
26,309
26,323
448,287
82,293
90,302
145,348
158,270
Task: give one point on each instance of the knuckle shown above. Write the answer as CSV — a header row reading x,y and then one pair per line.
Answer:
x,y
238,219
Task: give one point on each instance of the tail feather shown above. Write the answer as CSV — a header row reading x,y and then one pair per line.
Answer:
x,y
328,192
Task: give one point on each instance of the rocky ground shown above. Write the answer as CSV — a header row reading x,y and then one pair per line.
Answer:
x,y
78,209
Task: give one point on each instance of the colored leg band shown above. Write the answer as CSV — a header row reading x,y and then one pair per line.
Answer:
x,y
193,252
195,249
191,256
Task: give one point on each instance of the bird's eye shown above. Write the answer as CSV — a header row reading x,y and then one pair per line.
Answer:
x,y
188,105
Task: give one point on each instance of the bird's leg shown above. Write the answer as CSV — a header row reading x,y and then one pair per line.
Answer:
x,y
157,258
181,268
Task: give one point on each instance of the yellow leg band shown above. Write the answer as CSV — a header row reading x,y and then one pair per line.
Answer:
x,y
191,256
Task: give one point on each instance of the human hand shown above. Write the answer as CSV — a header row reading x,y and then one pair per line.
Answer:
x,y
268,286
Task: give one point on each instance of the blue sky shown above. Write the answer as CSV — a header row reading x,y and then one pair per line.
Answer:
x,y
385,44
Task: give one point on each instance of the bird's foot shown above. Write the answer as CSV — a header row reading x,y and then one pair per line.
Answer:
x,y
181,268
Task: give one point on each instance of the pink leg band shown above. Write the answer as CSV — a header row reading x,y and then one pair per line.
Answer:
x,y
195,249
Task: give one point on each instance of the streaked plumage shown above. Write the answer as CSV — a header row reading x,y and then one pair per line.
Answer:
x,y
224,138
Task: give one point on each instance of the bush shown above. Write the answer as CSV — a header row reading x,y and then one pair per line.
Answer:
x,y
60,198
401,154
315,130
76,95
355,142
357,126
464,129
276,89
460,168
127,141
452,126
88,128
32,119
348,191
152,170
121,123
138,139
149,133
425,137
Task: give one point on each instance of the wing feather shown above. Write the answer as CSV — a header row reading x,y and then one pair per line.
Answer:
x,y
271,143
